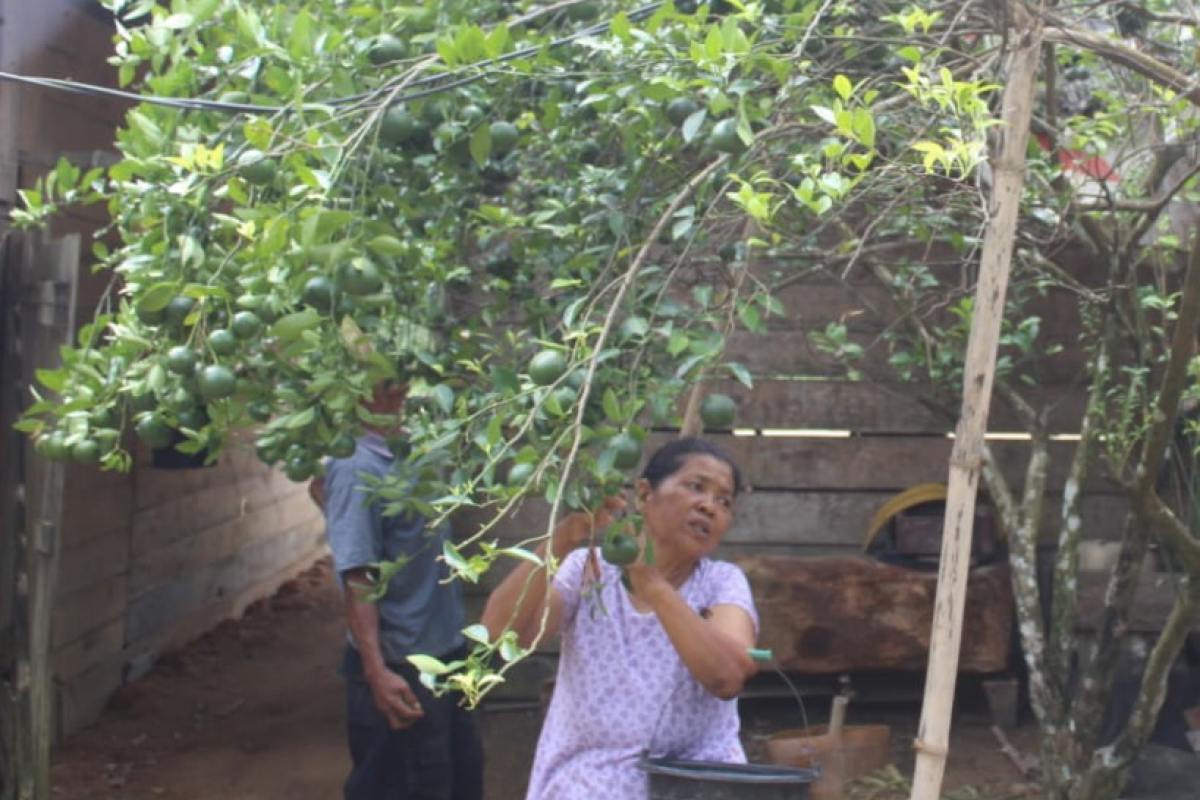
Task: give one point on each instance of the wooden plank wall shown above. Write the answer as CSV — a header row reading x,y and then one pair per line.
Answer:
x,y
813,492
150,558
822,453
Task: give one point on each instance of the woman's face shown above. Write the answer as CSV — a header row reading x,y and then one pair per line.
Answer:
x,y
690,510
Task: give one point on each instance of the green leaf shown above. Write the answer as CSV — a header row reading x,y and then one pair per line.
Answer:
x,y
428,665
52,379
387,245
301,39
157,296
289,328
477,633
825,114
481,145
177,22
445,49
444,396
522,554
301,419
741,374
693,125
843,87
678,342
612,406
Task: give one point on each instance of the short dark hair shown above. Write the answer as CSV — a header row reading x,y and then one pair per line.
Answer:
x,y
668,459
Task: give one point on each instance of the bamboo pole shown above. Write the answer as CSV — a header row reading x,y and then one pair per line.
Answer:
x,y
932,744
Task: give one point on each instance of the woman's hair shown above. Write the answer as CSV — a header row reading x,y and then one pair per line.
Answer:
x,y
667,460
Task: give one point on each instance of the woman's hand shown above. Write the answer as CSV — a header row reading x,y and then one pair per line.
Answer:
x,y
578,527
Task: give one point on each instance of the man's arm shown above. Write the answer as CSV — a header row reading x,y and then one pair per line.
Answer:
x,y
393,696
316,490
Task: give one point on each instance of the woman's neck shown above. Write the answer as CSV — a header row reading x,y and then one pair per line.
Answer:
x,y
676,570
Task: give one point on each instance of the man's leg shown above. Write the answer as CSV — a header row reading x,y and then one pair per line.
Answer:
x,y
468,756
414,763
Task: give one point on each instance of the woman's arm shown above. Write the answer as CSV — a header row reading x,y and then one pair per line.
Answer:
x,y
526,597
714,647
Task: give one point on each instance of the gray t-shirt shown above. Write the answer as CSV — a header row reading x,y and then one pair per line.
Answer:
x,y
422,611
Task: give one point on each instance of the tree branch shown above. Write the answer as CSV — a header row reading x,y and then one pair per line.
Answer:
x,y
1117,52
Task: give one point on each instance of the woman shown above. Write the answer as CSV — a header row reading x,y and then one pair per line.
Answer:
x,y
650,665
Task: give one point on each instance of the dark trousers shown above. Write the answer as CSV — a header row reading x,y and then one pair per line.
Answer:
x,y
438,758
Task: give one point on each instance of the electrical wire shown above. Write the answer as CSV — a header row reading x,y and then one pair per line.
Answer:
x,y
431,85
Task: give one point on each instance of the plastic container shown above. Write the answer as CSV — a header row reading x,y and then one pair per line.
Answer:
x,y
677,779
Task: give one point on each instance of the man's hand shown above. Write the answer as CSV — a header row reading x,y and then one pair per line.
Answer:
x,y
395,699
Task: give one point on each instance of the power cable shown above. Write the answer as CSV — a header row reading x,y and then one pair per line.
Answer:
x,y
435,83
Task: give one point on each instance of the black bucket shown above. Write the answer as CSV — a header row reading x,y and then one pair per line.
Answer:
x,y
672,779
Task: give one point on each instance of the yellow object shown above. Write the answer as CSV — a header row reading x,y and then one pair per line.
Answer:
x,y
913,496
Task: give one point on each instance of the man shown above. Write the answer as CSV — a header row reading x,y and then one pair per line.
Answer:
x,y
405,743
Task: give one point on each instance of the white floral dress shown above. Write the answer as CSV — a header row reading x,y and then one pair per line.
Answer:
x,y
623,692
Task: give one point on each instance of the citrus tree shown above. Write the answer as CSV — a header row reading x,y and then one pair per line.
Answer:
x,y
548,218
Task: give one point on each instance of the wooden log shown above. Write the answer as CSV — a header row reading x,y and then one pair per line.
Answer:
x,y
849,614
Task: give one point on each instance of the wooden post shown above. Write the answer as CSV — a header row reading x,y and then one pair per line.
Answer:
x,y
45,321
1008,164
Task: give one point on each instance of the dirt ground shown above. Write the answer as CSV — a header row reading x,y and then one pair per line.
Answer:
x,y
252,711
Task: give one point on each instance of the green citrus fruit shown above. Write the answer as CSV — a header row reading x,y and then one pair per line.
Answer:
x,y
85,451
154,431
385,49
299,468
180,400
259,410
318,292
145,401
435,112
256,167
717,411
680,108
181,360
178,309
193,419
520,474
471,114
245,324
216,382
53,446
102,417
547,367
562,400
222,342
504,137
620,549
627,450
398,127
359,277
725,139
589,152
